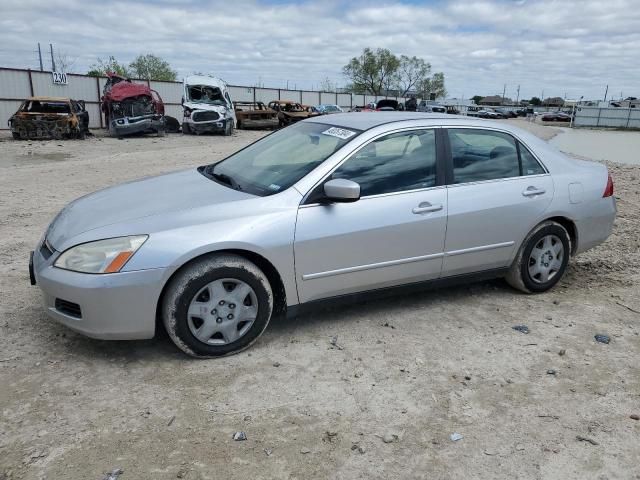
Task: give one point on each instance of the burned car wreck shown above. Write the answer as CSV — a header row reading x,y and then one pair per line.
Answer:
x,y
290,112
207,106
49,117
255,115
131,107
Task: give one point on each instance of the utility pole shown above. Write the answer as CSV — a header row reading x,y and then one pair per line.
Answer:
x,y
40,56
518,96
53,62
504,89
605,93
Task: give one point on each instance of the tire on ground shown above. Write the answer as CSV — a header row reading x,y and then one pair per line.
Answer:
x,y
518,276
191,279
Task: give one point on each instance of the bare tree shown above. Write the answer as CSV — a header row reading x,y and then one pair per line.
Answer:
x,y
64,61
411,73
327,85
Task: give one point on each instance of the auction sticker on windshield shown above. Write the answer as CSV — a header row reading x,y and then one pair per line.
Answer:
x,y
339,132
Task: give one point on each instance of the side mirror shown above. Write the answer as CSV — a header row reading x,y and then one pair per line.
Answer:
x,y
342,190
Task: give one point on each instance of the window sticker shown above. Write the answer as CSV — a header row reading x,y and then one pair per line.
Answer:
x,y
339,133
274,187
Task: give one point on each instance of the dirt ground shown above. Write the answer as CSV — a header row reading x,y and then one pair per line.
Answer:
x,y
410,370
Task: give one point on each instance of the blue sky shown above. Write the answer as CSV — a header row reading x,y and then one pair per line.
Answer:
x,y
559,47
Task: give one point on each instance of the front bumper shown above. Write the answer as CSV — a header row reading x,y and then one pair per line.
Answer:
x,y
216,126
117,306
132,125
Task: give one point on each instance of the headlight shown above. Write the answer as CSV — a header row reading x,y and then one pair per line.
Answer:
x,y
102,256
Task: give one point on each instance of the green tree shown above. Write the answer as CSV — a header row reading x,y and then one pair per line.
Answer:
x,y
412,72
433,86
373,71
477,99
101,67
151,67
535,101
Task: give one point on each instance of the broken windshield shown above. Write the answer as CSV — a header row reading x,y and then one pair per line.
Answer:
x,y
205,94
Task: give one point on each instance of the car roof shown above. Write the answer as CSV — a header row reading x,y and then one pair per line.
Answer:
x,y
49,99
367,120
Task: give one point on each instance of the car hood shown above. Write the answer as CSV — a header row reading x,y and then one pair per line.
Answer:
x,y
205,106
147,197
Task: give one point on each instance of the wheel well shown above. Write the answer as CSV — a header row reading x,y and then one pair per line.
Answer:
x,y
571,229
277,286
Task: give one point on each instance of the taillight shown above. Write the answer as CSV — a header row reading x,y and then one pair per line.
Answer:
x,y
608,191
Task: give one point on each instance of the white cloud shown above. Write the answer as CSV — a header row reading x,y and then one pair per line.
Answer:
x,y
565,46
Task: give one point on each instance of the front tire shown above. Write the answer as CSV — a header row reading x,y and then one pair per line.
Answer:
x,y
542,259
218,305
228,128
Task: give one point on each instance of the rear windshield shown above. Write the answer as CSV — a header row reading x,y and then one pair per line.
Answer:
x,y
37,106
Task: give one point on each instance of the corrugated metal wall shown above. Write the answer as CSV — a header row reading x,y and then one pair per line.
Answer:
x,y
607,117
16,85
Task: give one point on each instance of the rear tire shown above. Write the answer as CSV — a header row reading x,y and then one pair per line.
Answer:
x,y
542,259
206,316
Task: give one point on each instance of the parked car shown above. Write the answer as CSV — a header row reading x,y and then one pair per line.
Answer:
x,y
131,108
369,107
388,104
289,112
472,110
207,106
506,113
255,115
411,105
487,113
49,117
326,108
333,207
555,117
424,106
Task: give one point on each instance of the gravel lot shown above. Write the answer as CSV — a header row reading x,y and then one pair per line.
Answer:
x,y
409,370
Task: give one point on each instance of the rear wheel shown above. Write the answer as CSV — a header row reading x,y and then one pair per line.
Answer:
x,y
218,305
542,259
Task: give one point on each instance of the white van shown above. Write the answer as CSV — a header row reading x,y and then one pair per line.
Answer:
x,y
207,106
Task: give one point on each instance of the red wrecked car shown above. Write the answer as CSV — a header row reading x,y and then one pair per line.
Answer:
x,y
132,107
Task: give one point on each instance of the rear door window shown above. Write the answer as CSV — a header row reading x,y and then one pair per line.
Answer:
x,y
530,166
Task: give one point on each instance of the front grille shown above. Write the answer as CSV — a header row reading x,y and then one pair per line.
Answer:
x,y
68,308
45,250
205,116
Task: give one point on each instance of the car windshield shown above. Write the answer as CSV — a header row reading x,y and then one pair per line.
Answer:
x,y
205,94
279,160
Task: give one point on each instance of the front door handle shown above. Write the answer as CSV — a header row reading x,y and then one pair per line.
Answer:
x,y
426,207
533,191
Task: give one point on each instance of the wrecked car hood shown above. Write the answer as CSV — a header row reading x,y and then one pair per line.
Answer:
x,y
147,197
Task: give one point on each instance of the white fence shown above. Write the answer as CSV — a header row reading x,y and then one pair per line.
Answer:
x,y
607,117
17,84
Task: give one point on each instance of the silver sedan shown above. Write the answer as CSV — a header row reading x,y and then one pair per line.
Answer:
x,y
334,207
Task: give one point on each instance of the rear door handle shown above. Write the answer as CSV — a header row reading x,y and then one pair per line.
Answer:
x,y
426,207
533,191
